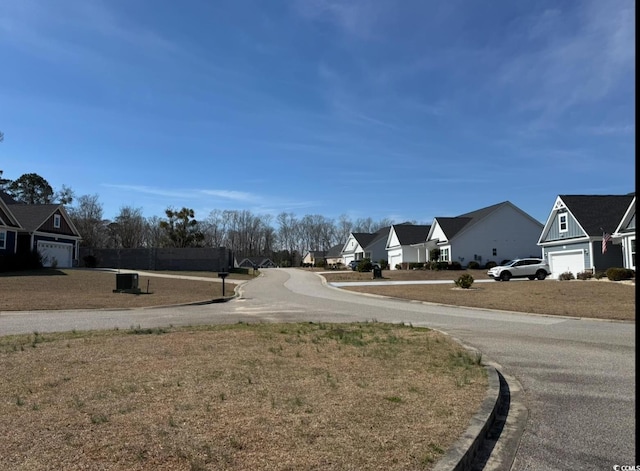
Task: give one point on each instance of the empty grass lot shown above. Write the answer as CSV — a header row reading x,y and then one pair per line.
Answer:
x,y
91,289
260,396
601,299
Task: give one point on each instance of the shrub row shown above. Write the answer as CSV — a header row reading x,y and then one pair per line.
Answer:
x,y
618,274
22,261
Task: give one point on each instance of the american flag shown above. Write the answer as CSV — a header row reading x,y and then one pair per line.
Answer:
x,y
605,238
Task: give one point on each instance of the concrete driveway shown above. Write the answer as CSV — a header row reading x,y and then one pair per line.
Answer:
x,y
578,375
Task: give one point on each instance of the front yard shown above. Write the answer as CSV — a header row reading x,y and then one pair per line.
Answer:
x,y
601,299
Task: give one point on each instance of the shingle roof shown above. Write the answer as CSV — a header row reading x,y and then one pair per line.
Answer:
x,y
411,234
597,213
451,226
363,238
6,198
334,251
480,213
32,216
381,233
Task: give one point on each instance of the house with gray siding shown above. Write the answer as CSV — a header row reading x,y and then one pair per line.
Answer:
x,y
625,235
572,237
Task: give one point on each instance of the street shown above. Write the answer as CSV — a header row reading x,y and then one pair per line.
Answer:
x,y
578,375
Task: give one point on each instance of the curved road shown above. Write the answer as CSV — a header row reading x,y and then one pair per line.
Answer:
x,y
578,375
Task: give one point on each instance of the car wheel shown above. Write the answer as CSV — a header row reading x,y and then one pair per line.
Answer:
x,y
541,275
531,277
505,276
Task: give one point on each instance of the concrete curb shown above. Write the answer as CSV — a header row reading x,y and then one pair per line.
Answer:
x,y
461,456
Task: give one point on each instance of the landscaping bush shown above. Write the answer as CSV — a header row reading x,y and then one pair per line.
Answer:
x,y
566,276
584,275
490,264
464,281
384,264
364,265
22,261
473,265
416,266
454,266
90,261
599,275
618,274
398,266
321,263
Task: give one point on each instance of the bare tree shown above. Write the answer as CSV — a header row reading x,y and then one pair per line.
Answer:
x,y
155,236
87,217
130,227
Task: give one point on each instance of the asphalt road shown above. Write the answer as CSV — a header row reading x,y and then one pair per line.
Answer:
x,y
578,376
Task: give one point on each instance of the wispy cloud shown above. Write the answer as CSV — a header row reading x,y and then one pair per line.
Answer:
x,y
356,18
571,64
46,30
231,195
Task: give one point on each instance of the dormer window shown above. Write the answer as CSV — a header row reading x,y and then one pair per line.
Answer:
x,y
563,222
57,221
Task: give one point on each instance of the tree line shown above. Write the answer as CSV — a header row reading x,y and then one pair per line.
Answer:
x,y
284,238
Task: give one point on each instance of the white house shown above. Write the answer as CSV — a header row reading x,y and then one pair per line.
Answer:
x,y
360,245
401,244
495,233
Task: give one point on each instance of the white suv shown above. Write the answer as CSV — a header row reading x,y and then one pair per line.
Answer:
x,y
531,268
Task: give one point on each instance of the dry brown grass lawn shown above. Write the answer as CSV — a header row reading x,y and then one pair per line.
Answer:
x,y
591,299
88,289
261,396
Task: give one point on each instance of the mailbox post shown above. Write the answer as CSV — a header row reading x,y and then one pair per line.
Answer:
x,y
223,275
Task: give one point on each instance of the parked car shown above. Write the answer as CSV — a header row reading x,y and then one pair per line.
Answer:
x,y
353,264
531,268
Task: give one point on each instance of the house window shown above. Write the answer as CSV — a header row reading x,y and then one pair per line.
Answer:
x,y
444,255
495,252
633,251
3,239
563,222
56,221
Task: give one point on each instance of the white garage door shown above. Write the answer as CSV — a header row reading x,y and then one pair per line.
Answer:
x,y
61,253
564,262
394,260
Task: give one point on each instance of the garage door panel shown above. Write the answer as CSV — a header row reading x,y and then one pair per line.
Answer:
x,y
56,253
566,262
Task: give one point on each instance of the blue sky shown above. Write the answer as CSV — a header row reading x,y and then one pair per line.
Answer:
x,y
405,110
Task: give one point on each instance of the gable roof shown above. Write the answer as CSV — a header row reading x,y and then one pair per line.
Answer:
x,y
381,233
6,198
408,234
628,215
334,252
32,216
451,226
598,213
363,238
257,261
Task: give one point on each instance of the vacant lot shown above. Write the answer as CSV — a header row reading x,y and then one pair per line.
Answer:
x,y
592,299
88,289
261,396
